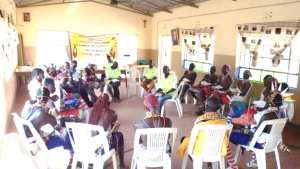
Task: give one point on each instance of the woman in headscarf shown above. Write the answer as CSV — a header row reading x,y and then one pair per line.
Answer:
x,y
152,118
102,115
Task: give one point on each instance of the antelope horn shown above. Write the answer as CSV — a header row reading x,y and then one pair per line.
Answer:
x,y
280,87
284,91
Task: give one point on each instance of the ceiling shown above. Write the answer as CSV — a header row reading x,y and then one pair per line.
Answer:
x,y
145,7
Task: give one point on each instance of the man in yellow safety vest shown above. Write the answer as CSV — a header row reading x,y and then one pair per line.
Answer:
x,y
113,74
167,86
150,73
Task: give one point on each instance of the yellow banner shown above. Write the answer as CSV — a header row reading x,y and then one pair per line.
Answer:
x,y
93,49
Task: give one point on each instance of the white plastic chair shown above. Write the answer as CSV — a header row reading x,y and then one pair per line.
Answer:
x,y
269,140
214,135
186,99
175,99
56,158
90,145
154,152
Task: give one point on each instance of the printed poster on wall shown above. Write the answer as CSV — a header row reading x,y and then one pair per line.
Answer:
x,y
9,41
93,49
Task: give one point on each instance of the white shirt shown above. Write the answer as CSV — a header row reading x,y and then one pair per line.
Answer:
x,y
33,86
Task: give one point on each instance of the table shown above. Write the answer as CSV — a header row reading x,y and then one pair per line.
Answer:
x,y
24,72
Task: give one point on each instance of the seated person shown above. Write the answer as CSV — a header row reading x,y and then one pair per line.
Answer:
x,y
75,74
88,75
38,111
86,84
225,80
97,86
51,71
189,77
102,115
148,87
269,86
150,73
211,78
69,87
211,116
245,84
36,82
243,137
53,102
200,91
167,86
55,138
152,118
113,74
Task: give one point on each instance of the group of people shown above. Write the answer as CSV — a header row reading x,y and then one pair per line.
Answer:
x,y
64,94
211,84
211,93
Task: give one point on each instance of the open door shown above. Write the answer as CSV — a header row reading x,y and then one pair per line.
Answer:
x,y
165,53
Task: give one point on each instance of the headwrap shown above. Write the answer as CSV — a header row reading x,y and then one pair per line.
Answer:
x,y
227,66
97,111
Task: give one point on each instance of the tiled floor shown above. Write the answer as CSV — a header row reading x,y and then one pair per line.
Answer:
x,y
131,109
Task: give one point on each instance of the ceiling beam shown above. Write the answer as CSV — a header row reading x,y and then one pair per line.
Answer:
x,y
119,7
129,4
137,9
191,4
41,3
158,7
33,3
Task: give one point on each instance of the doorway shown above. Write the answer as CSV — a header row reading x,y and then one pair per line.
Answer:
x,y
165,53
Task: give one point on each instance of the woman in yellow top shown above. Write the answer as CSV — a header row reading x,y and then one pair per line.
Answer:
x,y
211,116
113,74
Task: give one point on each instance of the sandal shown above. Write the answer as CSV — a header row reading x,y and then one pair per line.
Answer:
x,y
284,148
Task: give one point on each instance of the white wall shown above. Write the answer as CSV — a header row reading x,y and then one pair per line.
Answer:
x,y
7,84
224,15
85,18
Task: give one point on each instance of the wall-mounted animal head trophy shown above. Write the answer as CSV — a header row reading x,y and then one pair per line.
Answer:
x,y
254,53
205,43
280,46
277,54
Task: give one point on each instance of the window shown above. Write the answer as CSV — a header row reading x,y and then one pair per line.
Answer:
x,y
52,47
198,48
268,49
127,49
